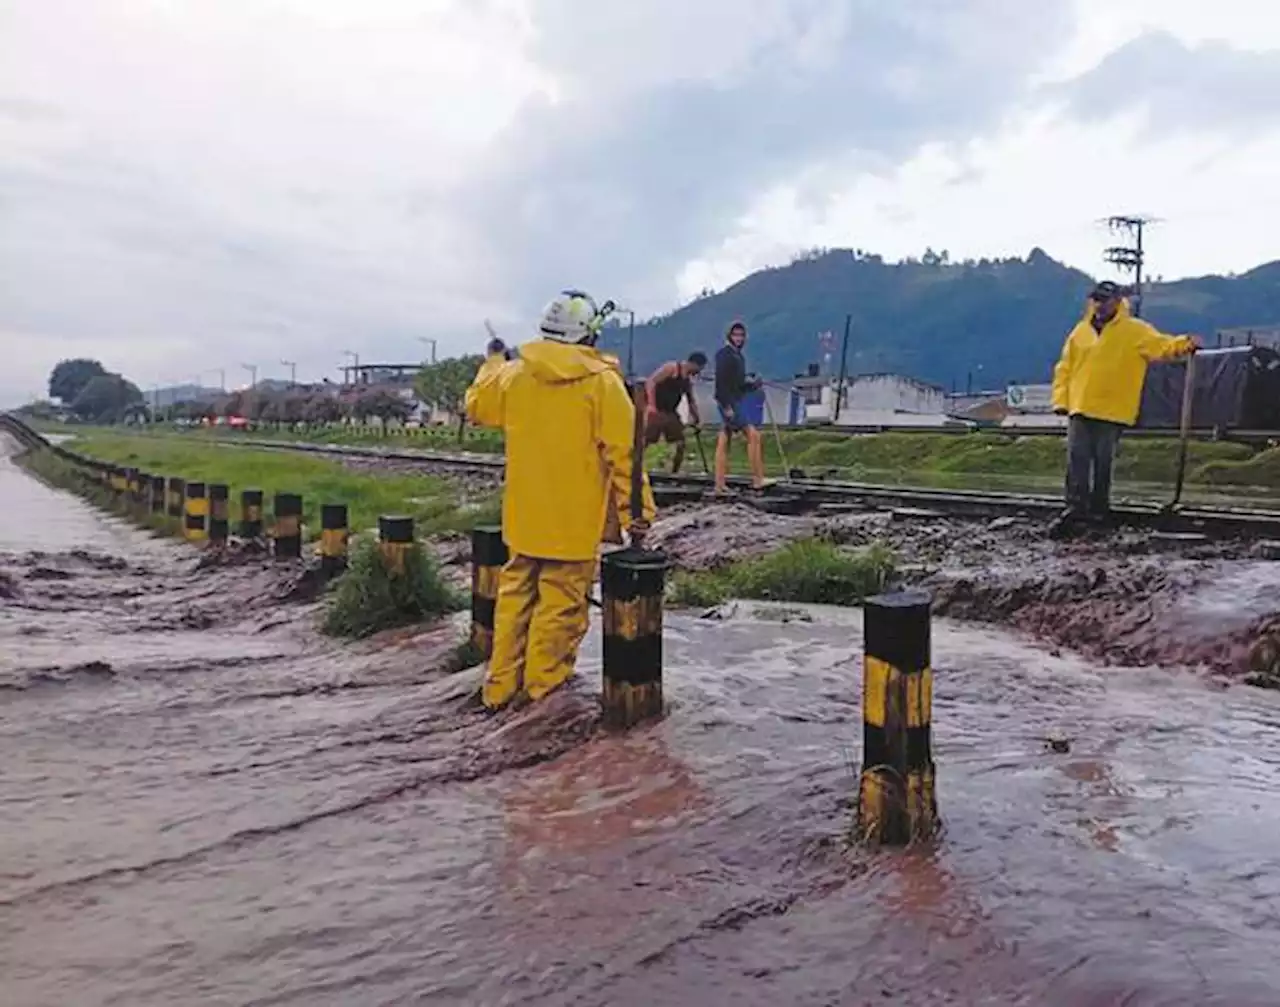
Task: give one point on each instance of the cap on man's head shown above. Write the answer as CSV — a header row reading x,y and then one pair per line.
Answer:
x,y
1108,289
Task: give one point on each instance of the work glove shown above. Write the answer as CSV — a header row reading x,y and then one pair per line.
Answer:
x,y
754,382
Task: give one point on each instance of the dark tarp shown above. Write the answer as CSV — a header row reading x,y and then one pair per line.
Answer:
x,y
1236,387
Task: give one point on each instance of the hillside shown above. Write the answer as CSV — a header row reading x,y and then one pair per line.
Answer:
x,y
935,320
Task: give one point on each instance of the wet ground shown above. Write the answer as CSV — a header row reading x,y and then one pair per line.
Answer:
x,y
206,803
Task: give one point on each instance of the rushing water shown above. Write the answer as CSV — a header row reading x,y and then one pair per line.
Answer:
x,y
220,808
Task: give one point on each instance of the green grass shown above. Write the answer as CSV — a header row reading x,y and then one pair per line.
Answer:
x,y
369,599
435,504
808,571
976,460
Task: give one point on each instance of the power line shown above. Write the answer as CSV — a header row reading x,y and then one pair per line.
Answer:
x,y
1129,257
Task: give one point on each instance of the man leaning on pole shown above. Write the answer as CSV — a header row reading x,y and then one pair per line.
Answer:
x,y
1097,383
569,427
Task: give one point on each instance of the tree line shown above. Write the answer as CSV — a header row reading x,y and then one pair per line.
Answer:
x,y
93,394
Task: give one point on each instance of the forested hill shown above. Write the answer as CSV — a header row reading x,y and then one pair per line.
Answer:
x,y
1002,320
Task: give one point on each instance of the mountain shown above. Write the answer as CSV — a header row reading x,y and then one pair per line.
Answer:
x,y
998,321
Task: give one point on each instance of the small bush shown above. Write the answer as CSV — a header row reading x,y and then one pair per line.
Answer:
x,y
808,571
369,599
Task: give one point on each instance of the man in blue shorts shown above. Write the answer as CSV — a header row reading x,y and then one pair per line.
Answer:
x,y
732,385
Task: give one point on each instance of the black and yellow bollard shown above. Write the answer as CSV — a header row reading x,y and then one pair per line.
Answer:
x,y
195,525
219,515
395,539
632,582
251,515
334,536
177,496
156,501
488,557
286,531
896,801
132,489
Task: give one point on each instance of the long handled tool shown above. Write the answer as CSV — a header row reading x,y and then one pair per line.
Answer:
x,y
777,435
702,452
1188,398
638,526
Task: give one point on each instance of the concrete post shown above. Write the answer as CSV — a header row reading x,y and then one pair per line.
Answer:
x,y
632,583
395,538
157,501
334,536
287,529
896,801
196,523
177,494
251,515
219,515
488,556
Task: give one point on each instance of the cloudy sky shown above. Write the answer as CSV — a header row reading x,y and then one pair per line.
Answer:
x,y
196,184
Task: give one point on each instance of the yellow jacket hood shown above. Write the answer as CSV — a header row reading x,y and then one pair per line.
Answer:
x,y
553,363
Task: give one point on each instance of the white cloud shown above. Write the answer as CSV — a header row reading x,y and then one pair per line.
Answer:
x,y
186,186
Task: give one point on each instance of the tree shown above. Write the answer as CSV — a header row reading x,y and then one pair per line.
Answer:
x,y
322,409
69,377
106,398
383,404
444,384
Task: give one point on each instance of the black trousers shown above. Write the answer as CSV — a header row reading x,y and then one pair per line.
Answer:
x,y
1091,452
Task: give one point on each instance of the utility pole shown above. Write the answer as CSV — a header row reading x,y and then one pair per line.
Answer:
x,y
844,356
293,371
1129,257
424,340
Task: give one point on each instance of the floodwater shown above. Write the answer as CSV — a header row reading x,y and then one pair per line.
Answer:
x,y
206,804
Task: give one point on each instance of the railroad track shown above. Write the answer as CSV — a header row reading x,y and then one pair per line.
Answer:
x,y
807,494
793,496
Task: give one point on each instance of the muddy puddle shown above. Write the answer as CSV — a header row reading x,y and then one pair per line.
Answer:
x,y
206,803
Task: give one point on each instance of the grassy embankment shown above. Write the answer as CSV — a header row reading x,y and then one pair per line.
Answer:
x,y
979,460
809,571
436,505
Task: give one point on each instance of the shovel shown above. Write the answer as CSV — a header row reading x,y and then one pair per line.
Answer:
x,y
1188,393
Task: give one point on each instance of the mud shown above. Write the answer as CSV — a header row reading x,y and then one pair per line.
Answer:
x,y
208,803
1122,598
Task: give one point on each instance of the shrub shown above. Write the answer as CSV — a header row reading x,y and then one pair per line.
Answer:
x,y
369,598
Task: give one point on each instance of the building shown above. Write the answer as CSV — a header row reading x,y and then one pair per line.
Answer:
x,y
379,374
875,400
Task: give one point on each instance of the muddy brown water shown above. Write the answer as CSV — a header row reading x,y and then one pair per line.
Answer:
x,y
205,803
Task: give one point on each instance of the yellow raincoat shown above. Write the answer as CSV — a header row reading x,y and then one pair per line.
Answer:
x,y
1100,375
568,425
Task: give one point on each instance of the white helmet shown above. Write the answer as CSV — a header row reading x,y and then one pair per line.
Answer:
x,y
571,318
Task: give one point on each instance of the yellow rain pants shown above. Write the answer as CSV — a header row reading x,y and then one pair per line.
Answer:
x,y
540,620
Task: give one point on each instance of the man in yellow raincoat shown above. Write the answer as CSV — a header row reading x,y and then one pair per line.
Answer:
x,y
1098,384
569,425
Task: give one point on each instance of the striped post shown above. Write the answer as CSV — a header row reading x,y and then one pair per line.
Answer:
x,y
896,800
632,583
334,536
395,539
219,515
251,515
177,494
195,524
488,556
156,499
132,488
287,530
119,482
